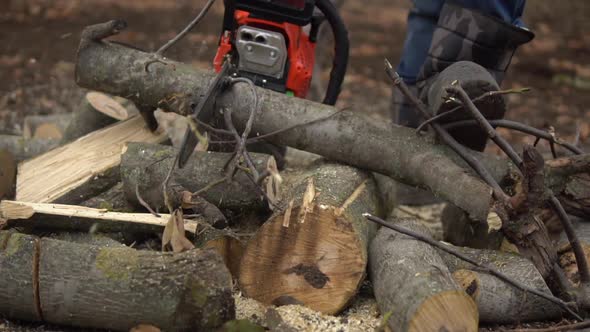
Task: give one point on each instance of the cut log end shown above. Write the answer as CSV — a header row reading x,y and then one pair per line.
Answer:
x,y
432,315
273,271
7,174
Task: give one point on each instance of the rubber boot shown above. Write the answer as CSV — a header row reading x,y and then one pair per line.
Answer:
x,y
475,50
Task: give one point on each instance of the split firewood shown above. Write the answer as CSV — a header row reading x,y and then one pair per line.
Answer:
x,y
46,126
398,153
7,174
313,250
97,110
144,168
413,285
83,168
114,288
22,148
497,301
80,218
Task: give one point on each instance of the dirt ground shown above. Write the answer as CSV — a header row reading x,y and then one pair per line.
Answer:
x,y
39,40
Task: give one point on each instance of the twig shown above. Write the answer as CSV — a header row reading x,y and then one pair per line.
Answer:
x,y
487,269
475,164
566,327
165,185
507,148
460,107
485,125
573,239
186,30
144,203
513,125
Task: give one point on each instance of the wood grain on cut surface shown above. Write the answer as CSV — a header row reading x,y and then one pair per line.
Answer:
x,y
52,175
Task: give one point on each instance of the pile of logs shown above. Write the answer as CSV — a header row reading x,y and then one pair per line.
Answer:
x,y
150,243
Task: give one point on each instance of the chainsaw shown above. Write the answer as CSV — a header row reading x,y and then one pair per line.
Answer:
x,y
272,43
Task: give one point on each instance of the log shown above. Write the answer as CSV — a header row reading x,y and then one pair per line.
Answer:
x,y
313,249
97,110
226,243
111,200
497,301
346,137
7,174
115,288
46,126
81,169
23,149
79,218
412,282
145,166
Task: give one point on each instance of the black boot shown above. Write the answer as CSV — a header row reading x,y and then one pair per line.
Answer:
x,y
475,50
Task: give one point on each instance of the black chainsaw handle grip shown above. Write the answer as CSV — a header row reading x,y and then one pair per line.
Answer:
x,y
341,49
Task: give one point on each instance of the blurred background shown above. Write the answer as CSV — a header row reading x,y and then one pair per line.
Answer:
x,y
39,38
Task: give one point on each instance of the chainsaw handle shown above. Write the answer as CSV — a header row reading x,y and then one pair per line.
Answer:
x,y
341,49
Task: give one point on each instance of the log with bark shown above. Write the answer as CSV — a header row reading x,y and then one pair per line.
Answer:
x,y
97,110
7,174
144,168
112,288
83,168
346,136
413,285
497,301
313,249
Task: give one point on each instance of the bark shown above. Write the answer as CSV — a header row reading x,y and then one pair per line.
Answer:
x,y
81,169
112,288
347,137
145,166
412,282
313,249
77,218
23,149
497,301
112,199
46,126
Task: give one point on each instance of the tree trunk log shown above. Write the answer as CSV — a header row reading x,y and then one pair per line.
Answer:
x,y
96,111
7,174
346,137
226,243
23,149
497,301
111,200
145,166
313,250
81,169
112,288
412,283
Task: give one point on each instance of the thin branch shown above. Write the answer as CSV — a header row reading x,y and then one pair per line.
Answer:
x,y
186,30
165,184
484,124
486,268
565,327
460,107
521,127
144,203
475,164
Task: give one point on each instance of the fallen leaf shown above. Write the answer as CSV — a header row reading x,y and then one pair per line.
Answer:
x,y
173,236
494,222
272,183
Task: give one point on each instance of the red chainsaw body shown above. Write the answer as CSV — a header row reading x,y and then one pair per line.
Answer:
x,y
301,51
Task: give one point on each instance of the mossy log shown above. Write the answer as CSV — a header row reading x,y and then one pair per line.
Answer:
x,y
112,199
313,249
83,168
497,301
22,148
412,283
145,166
112,288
